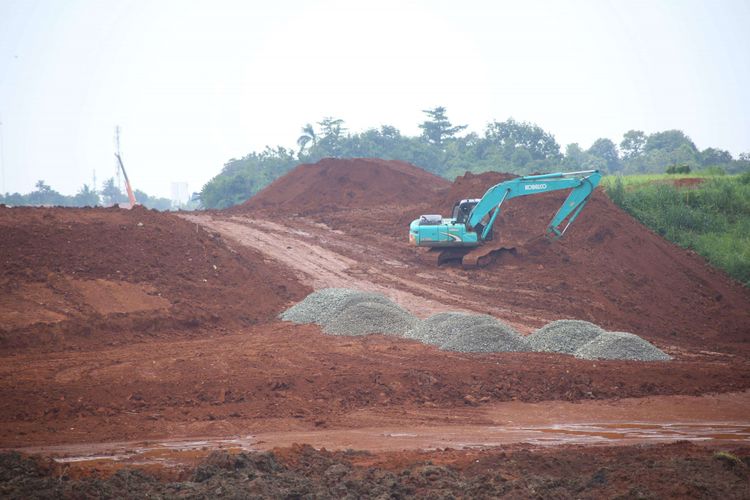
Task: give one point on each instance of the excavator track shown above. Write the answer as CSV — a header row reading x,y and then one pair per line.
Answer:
x,y
469,257
485,255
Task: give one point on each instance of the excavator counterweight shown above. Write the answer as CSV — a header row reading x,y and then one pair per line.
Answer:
x,y
467,235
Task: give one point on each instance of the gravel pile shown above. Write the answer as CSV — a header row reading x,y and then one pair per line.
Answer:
x,y
563,336
440,328
342,311
621,345
363,318
487,337
323,305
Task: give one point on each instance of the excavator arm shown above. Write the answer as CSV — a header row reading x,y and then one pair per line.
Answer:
x,y
581,184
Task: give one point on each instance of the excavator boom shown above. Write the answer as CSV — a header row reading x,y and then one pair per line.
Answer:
x,y
472,220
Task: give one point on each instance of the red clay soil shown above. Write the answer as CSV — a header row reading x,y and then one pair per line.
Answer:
x,y
286,377
91,276
335,183
209,360
608,268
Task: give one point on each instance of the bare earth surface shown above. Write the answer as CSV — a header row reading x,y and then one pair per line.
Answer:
x,y
150,340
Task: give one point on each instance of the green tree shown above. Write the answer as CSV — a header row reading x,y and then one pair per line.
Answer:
x,y
521,157
632,144
45,195
606,150
713,156
42,187
510,134
111,193
308,136
669,141
330,137
86,197
438,128
152,202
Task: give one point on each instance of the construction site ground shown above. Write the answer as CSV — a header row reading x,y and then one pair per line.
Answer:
x,y
145,339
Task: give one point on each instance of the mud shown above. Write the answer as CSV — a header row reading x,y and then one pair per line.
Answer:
x,y
676,470
718,419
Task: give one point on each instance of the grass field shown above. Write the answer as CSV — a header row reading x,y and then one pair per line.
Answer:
x,y
711,217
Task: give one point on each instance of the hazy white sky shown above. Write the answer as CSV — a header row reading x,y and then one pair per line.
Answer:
x,y
195,83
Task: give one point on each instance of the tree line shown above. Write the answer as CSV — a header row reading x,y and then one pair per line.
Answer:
x,y
445,149
44,195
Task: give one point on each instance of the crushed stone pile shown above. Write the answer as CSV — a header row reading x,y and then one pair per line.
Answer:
x,y
487,337
563,336
440,328
621,345
343,311
363,318
323,305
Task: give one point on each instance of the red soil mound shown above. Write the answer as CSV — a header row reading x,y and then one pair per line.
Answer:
x,y
80,271
623,269
339,183
469,186
608,268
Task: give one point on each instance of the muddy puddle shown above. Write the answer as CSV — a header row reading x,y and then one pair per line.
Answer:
x,y
175,452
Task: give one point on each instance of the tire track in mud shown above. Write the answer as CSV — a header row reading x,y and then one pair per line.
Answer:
x,y
322,267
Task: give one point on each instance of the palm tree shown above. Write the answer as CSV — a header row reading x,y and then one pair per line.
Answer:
x,y
308,135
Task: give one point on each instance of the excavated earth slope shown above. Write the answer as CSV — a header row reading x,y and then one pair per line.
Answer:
x,y
608,268
83,275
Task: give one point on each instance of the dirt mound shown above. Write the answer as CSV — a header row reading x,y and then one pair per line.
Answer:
x,y
334,183
83,272
608,269
469,186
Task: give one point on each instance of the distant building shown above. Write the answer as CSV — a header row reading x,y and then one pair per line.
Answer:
x,y
180,194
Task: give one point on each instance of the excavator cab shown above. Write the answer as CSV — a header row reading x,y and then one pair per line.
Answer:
x,y
462,209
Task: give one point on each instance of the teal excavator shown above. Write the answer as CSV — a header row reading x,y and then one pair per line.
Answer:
x,y
466,234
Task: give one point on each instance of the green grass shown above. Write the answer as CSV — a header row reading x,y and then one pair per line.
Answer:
x,y
712,218
639,180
